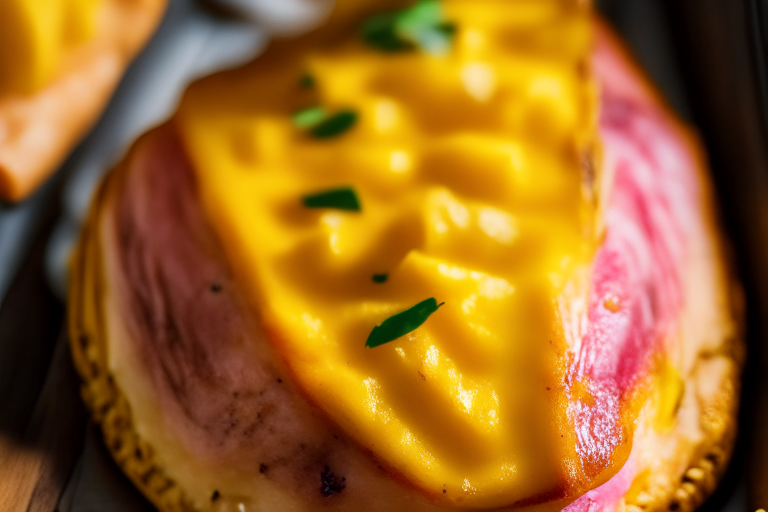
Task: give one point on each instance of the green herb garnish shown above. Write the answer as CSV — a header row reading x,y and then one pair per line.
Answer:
x,y
343,198
402,323
421,26
309,117
306,81
380,278
322,126
334,125
380,32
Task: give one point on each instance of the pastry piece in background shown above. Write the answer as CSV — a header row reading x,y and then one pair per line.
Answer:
x,y
60,61
458,256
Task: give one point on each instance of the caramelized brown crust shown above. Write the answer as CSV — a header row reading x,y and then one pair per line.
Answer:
x,y
38,131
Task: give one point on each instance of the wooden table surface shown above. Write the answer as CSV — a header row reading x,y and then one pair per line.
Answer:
x,y
51,456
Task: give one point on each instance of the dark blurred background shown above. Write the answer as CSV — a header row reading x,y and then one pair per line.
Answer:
x,y
709,59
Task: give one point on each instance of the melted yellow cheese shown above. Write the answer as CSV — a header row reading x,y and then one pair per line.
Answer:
x,y
469,168
36,37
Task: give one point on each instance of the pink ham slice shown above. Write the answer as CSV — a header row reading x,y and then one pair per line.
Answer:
x,y
636,289
229,398
219,383
654,225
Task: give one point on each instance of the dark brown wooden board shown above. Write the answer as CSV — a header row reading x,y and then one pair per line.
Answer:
x,y
51,457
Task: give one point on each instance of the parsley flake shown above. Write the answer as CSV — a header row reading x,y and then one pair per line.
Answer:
x,y
402,323
422,26
321,125
334,125
343,198
380,278
307,81
309,117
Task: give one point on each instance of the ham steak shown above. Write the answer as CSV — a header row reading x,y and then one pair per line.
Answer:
x,y
203,413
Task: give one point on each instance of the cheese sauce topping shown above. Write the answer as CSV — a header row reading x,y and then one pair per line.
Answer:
x,y
37,37
471,168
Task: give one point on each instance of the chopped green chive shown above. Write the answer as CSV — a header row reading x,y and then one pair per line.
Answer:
x,y
334,125
421,26
448,28
309,117
343,198
306,81
380,32
402,323
380,278
321,125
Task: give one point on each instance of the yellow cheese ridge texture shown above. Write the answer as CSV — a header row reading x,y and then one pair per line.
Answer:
x,y
470,171
36,37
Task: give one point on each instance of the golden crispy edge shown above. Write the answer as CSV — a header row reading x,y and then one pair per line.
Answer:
x,y
110,409
38,131
106,403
